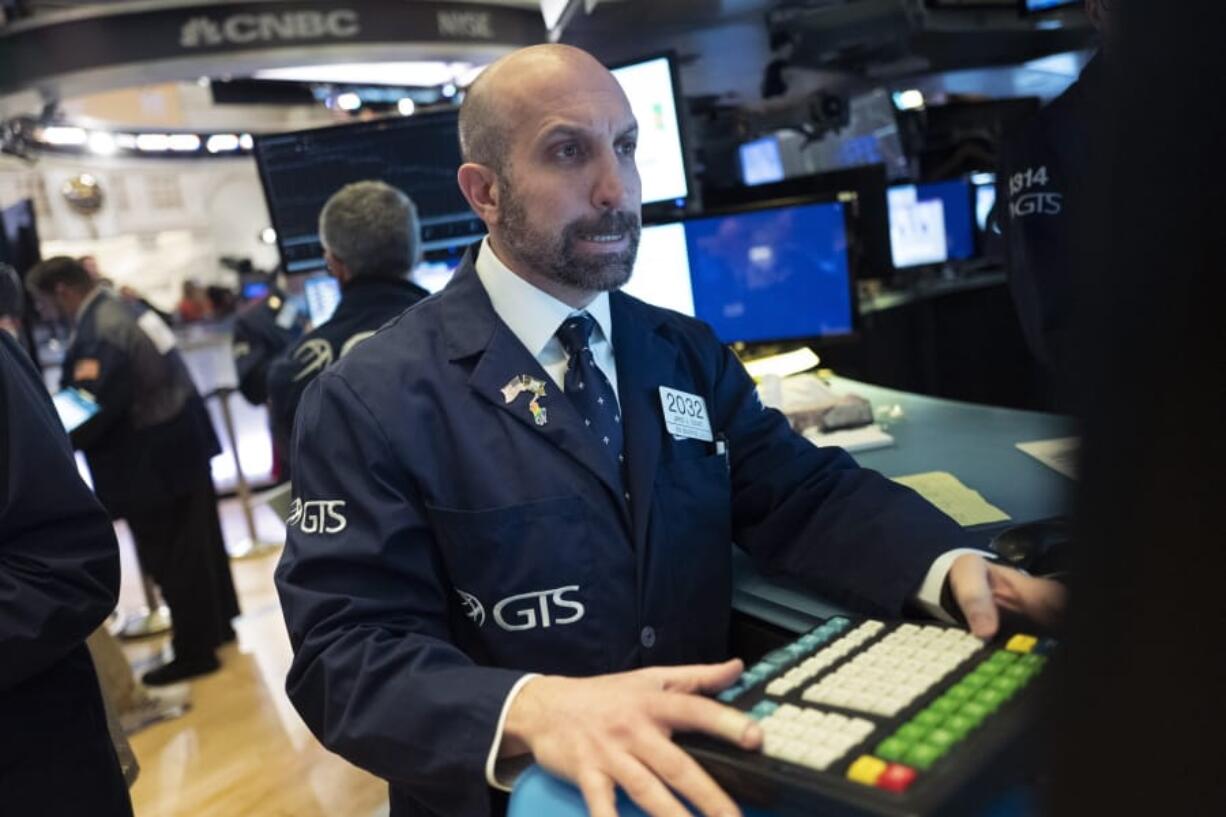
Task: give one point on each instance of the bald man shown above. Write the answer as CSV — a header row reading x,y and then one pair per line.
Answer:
x,y
510,537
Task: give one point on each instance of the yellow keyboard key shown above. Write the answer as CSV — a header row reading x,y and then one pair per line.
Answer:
x,y
866,770
1021,643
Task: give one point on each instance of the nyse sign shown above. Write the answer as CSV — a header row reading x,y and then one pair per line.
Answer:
x,y
476,25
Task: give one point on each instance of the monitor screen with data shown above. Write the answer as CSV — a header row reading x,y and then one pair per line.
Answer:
x,y
654,98
418,155
931,223
772,274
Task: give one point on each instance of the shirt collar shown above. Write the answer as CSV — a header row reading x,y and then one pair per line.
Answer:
x,y
531,314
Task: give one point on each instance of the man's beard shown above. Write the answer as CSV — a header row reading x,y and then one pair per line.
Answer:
x,y
555,256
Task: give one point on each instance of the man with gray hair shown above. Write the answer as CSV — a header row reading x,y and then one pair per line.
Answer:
x,y
372,240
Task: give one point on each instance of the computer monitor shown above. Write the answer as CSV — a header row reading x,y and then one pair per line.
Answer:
x,y
416,154
931,223
862,189
651,86
776,273
323,296
761,162
661,274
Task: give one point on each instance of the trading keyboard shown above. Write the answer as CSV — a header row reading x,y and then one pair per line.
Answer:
x,y
880,719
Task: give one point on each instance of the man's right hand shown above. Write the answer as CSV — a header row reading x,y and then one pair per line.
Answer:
x,y
615,730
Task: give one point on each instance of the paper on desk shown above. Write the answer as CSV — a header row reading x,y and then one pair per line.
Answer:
x,y
1059,455
964,506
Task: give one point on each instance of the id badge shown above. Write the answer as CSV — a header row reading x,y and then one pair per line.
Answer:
x,y
685,415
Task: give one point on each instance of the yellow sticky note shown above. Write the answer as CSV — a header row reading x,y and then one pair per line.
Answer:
x,y
963,505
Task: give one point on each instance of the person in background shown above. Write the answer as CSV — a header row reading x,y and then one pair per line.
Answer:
x,y
195,304
59,579
262,332
1042,181
148,449
372,241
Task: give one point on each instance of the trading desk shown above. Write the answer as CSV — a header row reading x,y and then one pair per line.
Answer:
x,y
977,444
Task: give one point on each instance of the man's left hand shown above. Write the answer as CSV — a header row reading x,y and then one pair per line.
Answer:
x,y
983,588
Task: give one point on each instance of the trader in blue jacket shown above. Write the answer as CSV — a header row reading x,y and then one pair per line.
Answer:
x,y
59,578
509,538
372,240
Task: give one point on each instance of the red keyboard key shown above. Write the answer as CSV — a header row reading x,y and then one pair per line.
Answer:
x,y
896,778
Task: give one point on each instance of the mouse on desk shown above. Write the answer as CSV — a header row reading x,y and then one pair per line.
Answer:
x,y
1041,548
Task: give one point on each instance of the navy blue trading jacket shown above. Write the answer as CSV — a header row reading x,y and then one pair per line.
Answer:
x,y
367,303
441,543
59,578
1042,188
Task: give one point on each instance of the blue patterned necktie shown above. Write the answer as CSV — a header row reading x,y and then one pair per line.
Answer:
x,y
588,388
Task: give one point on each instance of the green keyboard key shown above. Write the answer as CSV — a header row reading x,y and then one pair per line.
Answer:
x,y
1005,685
942,738
975,710
959,694
911,732
1031,660
960,724
1019,672
991,698
944,706
893,749
922,756
928,719
976,679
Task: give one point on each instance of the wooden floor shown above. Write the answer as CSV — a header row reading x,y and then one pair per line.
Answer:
x,y
242,749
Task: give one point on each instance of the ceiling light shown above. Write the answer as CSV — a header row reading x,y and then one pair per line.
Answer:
x,y
348,101
185,142
416,74
222,142
406,106
102,143
449,90
246,142
268,235
152,142
64,136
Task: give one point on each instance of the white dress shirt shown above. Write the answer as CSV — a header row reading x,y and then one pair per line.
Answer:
x,y
534,316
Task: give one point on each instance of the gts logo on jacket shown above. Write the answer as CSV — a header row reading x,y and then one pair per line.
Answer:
x,y
317,516
527,611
